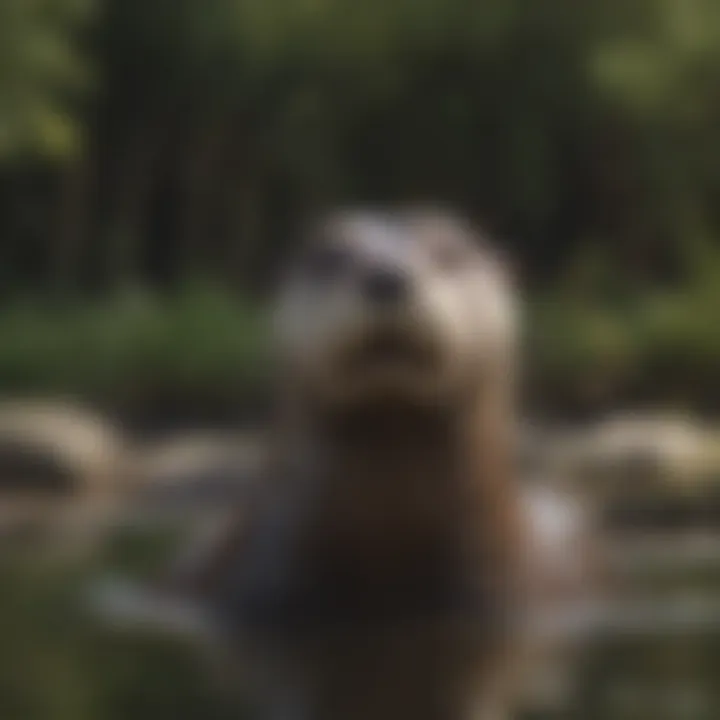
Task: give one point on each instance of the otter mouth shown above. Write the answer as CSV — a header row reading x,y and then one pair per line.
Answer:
x,y
391,350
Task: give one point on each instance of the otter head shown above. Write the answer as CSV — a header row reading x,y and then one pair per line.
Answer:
x,y
410,305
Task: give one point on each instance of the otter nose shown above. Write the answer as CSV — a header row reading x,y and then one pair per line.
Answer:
x,y
384,286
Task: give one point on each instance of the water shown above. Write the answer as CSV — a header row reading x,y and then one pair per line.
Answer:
x,y
54,665
660,665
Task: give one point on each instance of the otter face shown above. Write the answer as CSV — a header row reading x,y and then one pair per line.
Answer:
x,y
404,303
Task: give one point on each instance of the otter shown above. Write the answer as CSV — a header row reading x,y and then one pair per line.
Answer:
x,y
385,565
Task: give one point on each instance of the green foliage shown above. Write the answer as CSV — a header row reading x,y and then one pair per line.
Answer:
x,y
597,119
605,341
214,123
198,347
596,342
39,66
57,662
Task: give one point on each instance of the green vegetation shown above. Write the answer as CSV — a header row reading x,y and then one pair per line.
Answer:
x,y
195,132
204,348
200,347
147,144
57,663
603,341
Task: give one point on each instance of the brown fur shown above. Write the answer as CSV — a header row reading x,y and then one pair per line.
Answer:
x,y
411,545
377,573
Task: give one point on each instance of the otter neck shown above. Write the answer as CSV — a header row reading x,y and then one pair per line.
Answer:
x,y
470,433
391,432
393,479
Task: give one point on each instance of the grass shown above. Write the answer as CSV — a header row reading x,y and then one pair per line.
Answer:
x,y
199,346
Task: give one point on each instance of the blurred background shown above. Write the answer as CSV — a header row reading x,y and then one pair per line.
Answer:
x,y
155,157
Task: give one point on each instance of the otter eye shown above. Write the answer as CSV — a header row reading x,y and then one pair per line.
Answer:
x,y
325,263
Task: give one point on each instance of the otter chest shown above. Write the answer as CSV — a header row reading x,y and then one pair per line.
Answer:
x,y
346,571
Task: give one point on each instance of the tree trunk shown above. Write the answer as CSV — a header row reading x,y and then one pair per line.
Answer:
x,y
135,178
242,209
69,240
201,176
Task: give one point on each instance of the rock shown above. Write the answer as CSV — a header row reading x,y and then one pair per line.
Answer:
x,y
61,438
196,471
661,451
62,466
